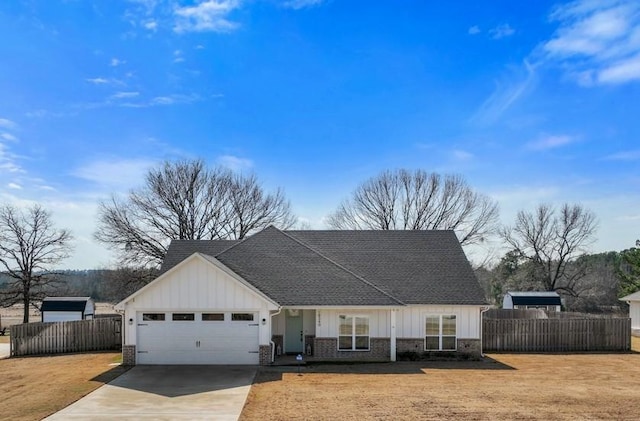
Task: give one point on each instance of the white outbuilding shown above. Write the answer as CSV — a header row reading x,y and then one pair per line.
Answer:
x,y
66,309
634,309
546,300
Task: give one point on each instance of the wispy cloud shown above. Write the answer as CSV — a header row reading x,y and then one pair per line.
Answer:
x,y
633,155
7,124
301,4
474,30
14,186
501,31
8,161
9,137
551,142
98,80
178,56
123,95
507,91
119,174
235,163
105,81
151,25
461,155
115,62
597,42
206,16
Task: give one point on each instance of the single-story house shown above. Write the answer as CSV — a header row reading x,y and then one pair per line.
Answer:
x,y
634,309
336,295
66,309
546,300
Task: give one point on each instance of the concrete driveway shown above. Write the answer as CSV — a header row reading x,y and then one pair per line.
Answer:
x,y
167,393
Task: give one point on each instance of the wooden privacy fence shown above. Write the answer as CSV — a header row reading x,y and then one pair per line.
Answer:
x,y
63,337
556,335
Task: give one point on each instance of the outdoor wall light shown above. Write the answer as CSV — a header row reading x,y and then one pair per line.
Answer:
x,y
264,322
130,321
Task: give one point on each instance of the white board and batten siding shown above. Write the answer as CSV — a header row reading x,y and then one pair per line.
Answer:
x,y
197,286
634,314
410,320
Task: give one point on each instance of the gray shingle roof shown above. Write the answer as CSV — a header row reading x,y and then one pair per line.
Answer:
x,y
181,249
346,267
417,267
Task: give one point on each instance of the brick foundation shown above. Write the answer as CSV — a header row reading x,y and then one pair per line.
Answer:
x,y
414,348
327,348
410,345
128,355
265,355
470,347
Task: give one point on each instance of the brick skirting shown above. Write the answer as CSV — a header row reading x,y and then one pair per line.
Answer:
x,y
128,355
465,347
265,355
327,348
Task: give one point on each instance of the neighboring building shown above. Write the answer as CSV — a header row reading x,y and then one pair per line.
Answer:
x,y
338,295
634,309
65,309
546,300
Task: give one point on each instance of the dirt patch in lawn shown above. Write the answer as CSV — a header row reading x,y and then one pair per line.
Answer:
x,y
35,387
503,387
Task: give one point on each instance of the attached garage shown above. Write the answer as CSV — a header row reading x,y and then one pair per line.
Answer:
x,y
198,312
210,337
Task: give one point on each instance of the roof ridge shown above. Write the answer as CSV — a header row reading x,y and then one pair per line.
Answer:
x,y
342,267
242,240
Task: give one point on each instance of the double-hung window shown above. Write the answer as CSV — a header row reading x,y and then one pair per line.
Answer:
x,y
353,333
440,333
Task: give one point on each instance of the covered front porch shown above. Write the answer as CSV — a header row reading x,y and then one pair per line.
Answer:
x,y
321,334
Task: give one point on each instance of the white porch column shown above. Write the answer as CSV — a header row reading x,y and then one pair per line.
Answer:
x,y
393,333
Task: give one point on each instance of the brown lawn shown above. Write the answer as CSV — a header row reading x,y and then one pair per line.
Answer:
x,y
504,387
32,388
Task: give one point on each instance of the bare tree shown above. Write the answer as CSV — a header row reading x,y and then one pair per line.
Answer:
x,y
29,246
186,201
250,208
551,240
418,200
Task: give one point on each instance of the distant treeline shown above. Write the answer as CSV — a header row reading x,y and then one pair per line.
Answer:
x,y
108,285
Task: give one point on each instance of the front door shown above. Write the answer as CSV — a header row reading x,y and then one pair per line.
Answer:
x,y
293,332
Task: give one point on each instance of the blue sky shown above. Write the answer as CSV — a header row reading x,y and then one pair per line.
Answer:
x,y
531,101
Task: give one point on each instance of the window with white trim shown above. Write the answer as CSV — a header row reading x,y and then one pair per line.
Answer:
x,y
440,332
353,333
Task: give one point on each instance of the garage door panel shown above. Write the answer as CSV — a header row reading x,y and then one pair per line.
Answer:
x,y
197,341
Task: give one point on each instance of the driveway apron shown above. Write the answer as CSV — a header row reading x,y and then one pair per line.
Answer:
x,y
167,393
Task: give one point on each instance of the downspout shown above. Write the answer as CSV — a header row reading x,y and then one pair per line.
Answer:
x,y
124,326
273,345
482,311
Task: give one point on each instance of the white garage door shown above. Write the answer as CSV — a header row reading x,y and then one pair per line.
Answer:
x,y
197,338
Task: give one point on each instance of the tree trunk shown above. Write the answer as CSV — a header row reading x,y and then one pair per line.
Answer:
x,y
25,303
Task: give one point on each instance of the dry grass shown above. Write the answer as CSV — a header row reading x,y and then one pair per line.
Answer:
x,y
35,387
523,386
635,343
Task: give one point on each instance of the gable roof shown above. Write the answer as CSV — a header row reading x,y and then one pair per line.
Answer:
x,y
209,260
631,297
181,249
535,298
64,304
293,274
417,267
346,267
